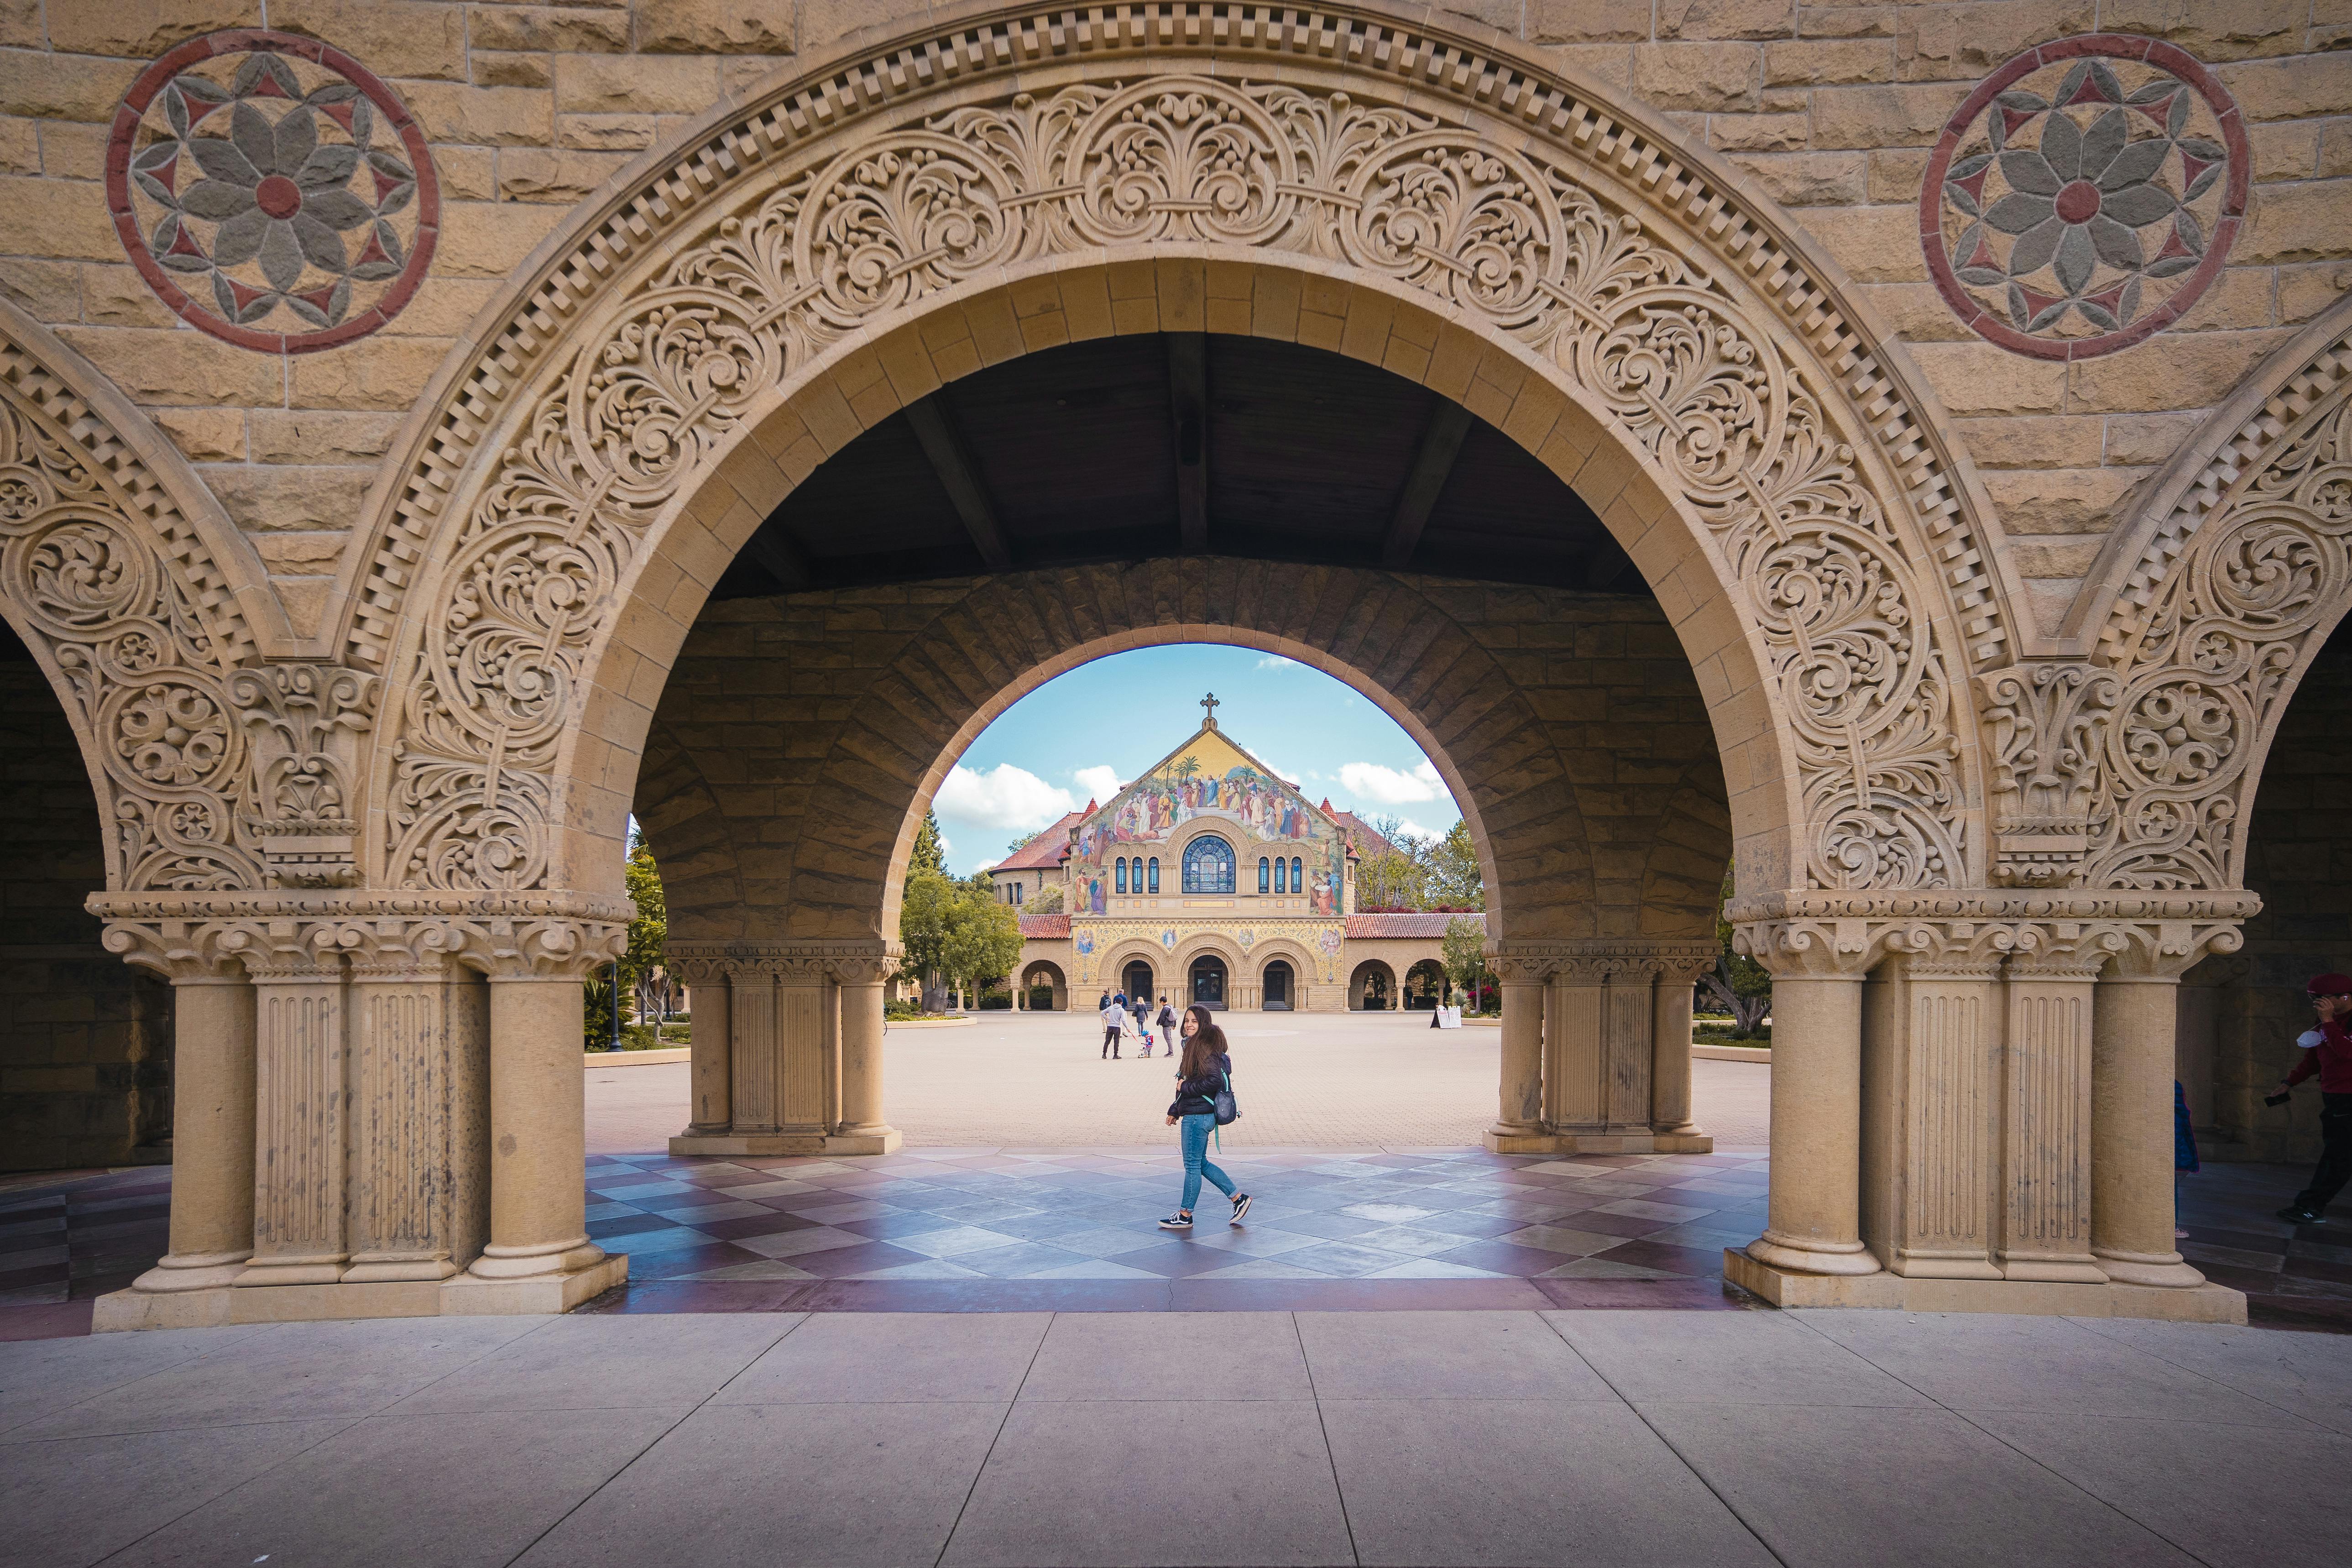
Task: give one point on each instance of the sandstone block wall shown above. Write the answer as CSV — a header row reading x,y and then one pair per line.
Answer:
x,y
1831,109
85,1040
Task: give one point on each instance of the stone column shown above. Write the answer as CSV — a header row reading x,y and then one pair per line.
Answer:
x,y
2134,1013
1628,1042
862,1129
1575,1022
300,1108
539,1231
1670,1044
803,1001
417,1094
1934,1109
710,1102
1814,1225
212,1107
755,1053
2045,1102
1519,1115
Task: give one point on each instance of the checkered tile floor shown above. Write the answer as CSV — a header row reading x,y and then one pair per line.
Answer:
x,y
948,1215
1075,1229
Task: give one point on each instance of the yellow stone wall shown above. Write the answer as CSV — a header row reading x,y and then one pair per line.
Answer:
x,y
1830,108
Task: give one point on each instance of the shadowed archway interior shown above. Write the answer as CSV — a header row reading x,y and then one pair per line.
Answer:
x,y
1125,448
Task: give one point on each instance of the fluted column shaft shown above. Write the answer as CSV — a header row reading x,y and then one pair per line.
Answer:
x,y
300,1119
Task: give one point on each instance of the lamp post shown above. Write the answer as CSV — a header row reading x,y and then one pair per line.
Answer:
x,y
616,1006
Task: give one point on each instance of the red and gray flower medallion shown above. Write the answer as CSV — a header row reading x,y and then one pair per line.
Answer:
x,y
272,191
2085,195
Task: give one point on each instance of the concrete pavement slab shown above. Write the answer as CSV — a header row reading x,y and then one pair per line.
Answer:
x,y
1232,1356
1176,1484
1837,1486
2309,1375
424,1491
607,1362
893,1357
1443,1355
41,1378
146,1478
1523,1482
843,1486
1724,1358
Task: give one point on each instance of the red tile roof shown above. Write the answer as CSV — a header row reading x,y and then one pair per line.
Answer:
x,y
1044,927
1428,926
1043,852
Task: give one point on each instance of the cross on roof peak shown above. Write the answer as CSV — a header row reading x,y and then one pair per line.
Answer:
x,y
1210,704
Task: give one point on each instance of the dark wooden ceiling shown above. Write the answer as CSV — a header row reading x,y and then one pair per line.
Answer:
x,y
1131,448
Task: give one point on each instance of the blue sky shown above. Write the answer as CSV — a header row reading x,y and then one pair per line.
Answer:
x,y
1087,732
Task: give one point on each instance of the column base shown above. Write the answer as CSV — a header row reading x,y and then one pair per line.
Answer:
x,y
198,1271
2206,1303
463,1295
2160,1271
1845,1262
392,1270
1514,1141
752,1145
2057,1269
865,1140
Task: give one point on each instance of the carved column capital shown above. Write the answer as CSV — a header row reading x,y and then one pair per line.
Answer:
x,y
303,724
871,969
545,948
185,953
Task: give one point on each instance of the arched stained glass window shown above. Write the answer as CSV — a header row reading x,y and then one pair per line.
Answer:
x,y
1297,882
1281,878
1120,878
1262,884
1208,866
1155,873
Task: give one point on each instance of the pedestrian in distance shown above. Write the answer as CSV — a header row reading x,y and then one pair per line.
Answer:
x,y
1113,1017
1143,1025
2327,1053
1204,1070
2184,1154
1102,1001
1168,1025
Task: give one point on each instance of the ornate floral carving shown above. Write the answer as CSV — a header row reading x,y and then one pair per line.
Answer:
x,y
136,659
2047,726
271,190
2206,668
304,722
2085,195
1514,239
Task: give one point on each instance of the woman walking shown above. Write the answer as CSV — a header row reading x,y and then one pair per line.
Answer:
x,y
1199,1076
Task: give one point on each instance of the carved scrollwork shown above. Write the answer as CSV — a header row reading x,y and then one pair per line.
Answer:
x,y
2208,666
304,722
1510,236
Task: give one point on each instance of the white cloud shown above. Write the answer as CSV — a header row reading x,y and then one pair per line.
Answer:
x,y
1101,782
1285,774
1390,787
1276,661
1005,797
1406,824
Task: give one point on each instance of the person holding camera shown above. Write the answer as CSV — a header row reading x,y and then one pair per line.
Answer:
x,y
2327,1053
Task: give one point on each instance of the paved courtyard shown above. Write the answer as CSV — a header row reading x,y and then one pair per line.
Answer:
x,y
1036,1438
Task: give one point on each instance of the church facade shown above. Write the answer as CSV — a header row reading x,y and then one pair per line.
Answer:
x,y
1211,879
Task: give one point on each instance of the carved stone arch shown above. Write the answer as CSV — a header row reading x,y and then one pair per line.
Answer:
x,y
146,608
2244,568
1770,464
703,883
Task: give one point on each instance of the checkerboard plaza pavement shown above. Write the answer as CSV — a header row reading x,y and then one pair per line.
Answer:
x,y
993,1227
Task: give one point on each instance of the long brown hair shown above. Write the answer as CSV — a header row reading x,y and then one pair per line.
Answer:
x,y
1206,1044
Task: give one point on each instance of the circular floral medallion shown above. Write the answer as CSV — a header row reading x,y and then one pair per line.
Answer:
x,y
272,191
2085,195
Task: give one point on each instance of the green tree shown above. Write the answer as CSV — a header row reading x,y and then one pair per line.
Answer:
x,y
1048,900
1737,984
923,929
1394,876
1465,956
649,932
1022,842
1454,880
930,852
981,939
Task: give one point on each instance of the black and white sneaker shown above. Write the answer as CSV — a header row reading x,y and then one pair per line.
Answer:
x,y
2295,1214
1240,1207
1179,1220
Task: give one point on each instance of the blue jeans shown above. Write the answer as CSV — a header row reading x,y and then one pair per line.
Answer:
x,y
1193,1131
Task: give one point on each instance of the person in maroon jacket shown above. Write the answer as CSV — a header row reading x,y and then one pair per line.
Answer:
x,y
2328,1053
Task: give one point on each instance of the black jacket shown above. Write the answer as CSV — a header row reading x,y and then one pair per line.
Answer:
x,y
1198,1095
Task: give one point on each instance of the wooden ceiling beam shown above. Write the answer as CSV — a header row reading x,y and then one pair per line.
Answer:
x,y
943,444
1440,443
1187,403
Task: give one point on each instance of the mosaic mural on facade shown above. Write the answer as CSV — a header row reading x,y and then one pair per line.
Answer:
x,y
2085,195
272,191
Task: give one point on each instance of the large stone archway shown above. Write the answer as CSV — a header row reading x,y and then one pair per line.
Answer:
x,y
1933,888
